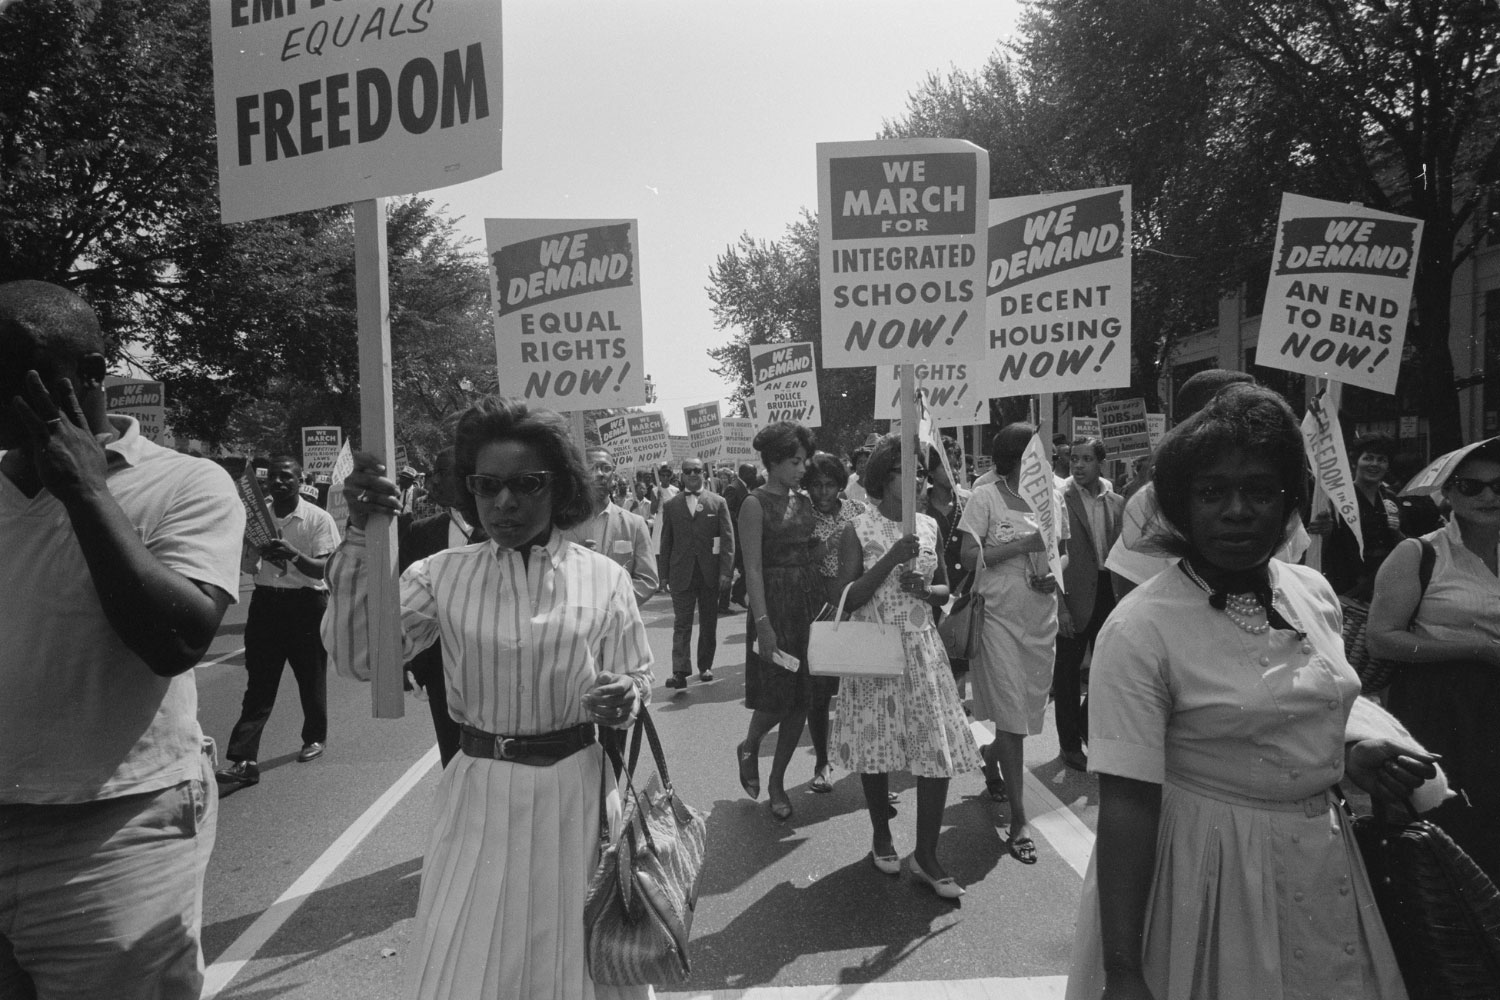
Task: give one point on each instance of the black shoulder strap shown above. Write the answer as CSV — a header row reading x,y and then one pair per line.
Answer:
x,y
1424,570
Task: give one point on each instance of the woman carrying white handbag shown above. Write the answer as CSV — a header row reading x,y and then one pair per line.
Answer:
x,y
913,722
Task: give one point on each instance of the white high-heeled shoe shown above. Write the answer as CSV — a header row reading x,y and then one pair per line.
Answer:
x,y
886,864
946,887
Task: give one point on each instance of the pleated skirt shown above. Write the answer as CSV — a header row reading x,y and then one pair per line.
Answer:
x,y
508,863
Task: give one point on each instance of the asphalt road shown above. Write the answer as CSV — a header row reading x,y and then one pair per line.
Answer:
x,y
314,878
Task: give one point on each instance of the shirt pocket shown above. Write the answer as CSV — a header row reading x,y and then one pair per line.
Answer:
x,y
622,551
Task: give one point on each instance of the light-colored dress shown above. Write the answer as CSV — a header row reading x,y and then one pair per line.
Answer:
x,y
1013,673
1258,892
512,846
915,722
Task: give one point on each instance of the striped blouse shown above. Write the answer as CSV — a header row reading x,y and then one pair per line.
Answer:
x,y
521,645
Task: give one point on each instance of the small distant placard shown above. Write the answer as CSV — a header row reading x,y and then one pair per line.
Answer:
x,y
1122,425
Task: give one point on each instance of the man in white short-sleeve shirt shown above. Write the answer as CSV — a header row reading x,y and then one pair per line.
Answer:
x,y
120,557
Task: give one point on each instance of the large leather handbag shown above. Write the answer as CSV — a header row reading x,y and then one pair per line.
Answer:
x,y
838,648
1441,912
963,627
638,913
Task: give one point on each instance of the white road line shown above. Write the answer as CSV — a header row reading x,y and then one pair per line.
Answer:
x,y
221,659
1027,988
245,947
1068,835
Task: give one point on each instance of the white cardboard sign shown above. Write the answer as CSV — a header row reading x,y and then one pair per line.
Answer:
x,y
947,389
786,383
705,433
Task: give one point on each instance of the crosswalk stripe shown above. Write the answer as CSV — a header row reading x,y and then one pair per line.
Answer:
x,y
220,659
1069,836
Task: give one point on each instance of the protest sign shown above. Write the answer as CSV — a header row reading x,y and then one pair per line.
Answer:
x,y
1156,429
1122,425
682,447
566,298
901,250
142,399
343,466
705,434
946,390
650,445
1323,438
739,432
320,448
1085,427
1058,290
1339,292
614,434
1039,490
786,383
323,105
260,527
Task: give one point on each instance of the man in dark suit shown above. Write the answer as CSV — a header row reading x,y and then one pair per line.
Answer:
x,y
735,492
697,556
418,540
1094,514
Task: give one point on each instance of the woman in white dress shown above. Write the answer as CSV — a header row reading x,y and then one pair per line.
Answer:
x,y
1218,707
542,643
915,722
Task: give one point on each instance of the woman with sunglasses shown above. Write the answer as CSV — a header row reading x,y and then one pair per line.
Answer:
x,y
1447,639
1014,669
1219,714
542,645
915,722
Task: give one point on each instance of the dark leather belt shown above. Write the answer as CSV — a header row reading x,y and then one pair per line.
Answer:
x,y
541,750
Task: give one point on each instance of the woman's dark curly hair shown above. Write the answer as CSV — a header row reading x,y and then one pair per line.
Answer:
x,y
1242,417
498,418
780,441
884,457
826,466
1009,444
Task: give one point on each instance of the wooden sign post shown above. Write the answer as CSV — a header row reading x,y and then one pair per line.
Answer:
x,y
909,432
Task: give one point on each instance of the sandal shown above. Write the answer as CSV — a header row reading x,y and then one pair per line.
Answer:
x,y
1023,849
749,769
994,784
820,782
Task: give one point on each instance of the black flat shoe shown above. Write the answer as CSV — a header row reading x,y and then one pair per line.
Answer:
x,y
749,759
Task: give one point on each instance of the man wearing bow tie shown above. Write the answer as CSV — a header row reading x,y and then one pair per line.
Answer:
x,y
697,550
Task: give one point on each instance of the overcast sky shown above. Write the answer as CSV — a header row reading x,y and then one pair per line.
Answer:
x,y
699,118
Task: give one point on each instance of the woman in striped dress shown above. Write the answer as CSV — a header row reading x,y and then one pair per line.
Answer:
x,y
542,642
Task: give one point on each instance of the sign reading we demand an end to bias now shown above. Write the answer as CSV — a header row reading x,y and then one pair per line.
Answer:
x,y
323,102
566,296
786,383
901,251
1339,292
1059,293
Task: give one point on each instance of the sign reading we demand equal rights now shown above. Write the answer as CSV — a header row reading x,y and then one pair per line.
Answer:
x,y
1339,292
322,103
786,383
1059,293
566,296
901,251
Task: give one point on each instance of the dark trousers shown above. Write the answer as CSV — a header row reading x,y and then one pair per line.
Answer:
x,y
1068,703
427,670
703,595
737,588
281,628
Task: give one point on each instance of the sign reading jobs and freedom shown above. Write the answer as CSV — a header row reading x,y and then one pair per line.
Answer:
x,y
786,383
566,296
320,103
1058,293
901,251
1124,427
1339,292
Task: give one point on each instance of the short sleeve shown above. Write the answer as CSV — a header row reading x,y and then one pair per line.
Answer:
x,y
200,533
1129,699
976,519
325,534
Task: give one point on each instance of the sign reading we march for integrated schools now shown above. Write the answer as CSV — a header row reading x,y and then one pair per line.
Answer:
x,y
637,440
1339,292
786,383
901,250
1058,288
566,296
321,103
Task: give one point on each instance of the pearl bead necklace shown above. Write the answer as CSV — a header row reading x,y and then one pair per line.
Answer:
x,y
1238,608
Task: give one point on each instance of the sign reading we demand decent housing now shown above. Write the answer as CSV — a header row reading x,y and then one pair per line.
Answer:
x,y
901,251
322,103
1339,292
567,301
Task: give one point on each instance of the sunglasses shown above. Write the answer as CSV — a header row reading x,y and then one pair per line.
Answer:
x,y
527,484
1473,487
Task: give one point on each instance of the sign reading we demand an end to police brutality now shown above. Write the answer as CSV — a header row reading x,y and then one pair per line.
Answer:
x,y
901,250
1059,293
566,296
786,383
324,102
1339,292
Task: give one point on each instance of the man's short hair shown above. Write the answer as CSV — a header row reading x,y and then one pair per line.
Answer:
x,y
1059,440
1086,442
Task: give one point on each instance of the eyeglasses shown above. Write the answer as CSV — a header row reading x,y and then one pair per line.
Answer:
x,y
1473,487
1254,494
527,484
604,467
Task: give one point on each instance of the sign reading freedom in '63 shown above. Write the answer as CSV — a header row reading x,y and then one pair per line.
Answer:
x,y
566,295
786,383
1339,292
321,103
901,250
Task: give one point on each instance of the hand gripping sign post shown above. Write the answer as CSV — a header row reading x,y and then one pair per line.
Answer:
x,y
328,104
786,383
902,231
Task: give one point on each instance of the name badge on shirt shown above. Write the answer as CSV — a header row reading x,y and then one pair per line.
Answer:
x,y
621,548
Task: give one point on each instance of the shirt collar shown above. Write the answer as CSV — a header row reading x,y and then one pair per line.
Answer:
x,y
128,448
552,550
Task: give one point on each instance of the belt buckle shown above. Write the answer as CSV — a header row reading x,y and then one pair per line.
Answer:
x,y
503,748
